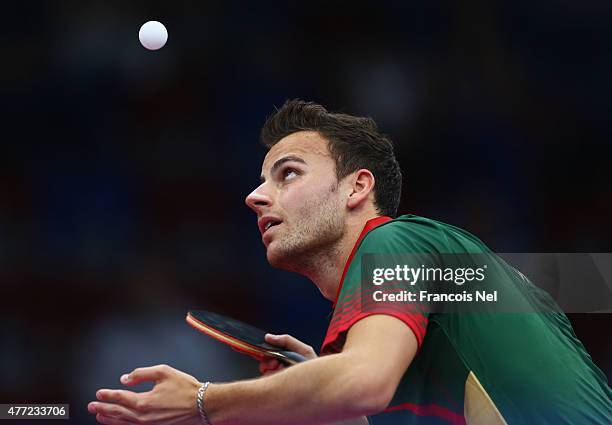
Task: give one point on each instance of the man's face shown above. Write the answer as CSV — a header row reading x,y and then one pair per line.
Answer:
x,y
299,206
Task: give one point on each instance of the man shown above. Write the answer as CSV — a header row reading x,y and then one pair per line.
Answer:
x,y
329,185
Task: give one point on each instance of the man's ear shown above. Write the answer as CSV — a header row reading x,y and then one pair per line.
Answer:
x,y
362,185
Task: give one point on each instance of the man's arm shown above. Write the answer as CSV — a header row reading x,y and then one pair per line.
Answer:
x,y
269,366
361,380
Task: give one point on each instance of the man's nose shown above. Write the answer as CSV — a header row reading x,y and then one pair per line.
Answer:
x,y
258,200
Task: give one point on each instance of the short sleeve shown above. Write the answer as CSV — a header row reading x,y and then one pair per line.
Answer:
x,y
392,239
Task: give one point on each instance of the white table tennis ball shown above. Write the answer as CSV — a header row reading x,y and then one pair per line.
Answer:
x,y
153,35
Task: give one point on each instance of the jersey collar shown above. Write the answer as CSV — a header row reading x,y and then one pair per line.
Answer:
x,y
370,224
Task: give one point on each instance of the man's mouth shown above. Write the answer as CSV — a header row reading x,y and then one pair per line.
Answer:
x,y
266,223
270,224
268,232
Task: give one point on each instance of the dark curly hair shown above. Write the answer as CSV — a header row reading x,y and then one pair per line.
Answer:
x,y
354,143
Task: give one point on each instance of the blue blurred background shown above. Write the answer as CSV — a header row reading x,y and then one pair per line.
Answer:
x,y
123,172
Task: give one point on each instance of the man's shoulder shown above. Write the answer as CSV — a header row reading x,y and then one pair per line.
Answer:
x,y
424,233
407,223
414,223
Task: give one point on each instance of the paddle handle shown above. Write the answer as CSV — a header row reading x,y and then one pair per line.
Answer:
x,y
291,357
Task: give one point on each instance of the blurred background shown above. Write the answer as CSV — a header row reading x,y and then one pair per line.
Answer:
x,y
123,171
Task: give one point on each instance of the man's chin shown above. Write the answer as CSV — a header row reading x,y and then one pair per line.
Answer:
x,y
278,259
274,258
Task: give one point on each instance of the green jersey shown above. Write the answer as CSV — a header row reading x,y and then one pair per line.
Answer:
x,y
487,367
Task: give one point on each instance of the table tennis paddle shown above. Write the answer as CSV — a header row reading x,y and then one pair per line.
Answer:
x,y
240,336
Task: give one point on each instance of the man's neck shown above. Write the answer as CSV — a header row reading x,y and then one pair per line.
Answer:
x,y
325,269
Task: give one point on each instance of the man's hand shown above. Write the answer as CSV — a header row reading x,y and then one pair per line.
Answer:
x,y
269,365
172,400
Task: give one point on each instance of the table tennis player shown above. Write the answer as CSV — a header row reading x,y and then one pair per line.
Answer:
x,y
329,193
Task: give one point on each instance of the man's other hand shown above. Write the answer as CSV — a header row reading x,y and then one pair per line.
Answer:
x,y
270,365
172,400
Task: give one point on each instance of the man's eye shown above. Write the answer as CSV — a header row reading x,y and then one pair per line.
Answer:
x,y
289,173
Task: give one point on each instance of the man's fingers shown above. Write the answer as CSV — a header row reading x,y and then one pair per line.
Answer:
x,y
113,411
107,420
123,397
292,344
286,341
144,374
269,365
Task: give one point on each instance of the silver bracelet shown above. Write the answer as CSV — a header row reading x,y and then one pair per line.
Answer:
x,y
200,403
